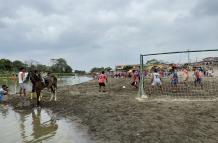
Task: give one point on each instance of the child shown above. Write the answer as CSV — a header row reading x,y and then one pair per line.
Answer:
x,y
3,92
101,81
135,79
198,77
156,80
174,78
185,76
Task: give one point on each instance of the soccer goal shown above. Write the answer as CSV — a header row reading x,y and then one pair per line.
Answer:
x,y
187,73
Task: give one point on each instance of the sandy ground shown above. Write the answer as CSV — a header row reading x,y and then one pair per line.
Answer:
x,y
117,117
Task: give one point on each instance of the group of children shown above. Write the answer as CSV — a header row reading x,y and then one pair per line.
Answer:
x,y
156,79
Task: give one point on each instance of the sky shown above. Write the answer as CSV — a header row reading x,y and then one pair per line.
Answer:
x,y
95,33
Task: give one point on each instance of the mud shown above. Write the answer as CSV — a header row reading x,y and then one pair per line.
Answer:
x,y
117,117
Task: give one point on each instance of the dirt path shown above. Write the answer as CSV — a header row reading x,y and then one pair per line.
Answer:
x,y
117,117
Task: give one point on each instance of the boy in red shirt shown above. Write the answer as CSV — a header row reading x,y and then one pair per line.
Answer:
x,y
198,77
101,81
135,79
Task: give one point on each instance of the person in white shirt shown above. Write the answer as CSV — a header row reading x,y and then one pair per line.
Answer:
x,y
156,79
22,75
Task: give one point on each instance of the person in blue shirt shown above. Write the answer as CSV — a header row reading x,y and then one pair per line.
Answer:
x,y
3,92
174,78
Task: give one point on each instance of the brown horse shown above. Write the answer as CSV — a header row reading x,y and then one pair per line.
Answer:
x,y
39,83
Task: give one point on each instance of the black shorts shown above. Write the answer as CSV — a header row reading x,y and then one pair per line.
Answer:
x,y
134,83
101,84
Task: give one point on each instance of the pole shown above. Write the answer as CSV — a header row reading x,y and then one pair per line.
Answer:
x,y
188,57
189,51
141,86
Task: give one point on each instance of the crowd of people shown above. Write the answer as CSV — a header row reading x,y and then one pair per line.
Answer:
x,y
156,75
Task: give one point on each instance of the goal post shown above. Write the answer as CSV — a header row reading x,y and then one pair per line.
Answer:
x,y
142,92
141,82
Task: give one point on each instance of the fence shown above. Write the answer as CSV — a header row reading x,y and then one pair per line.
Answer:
x,y
209,84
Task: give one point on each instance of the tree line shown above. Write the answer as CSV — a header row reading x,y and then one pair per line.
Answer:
x,y
58,66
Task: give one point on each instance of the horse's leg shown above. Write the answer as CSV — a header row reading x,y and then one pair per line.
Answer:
x,y
38,100
55,94
52,94
40,97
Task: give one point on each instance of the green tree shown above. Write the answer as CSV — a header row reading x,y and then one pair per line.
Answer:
x,y
17,65
80,72
6,65
61,66
97,70
152,61
42,67
108,69
127,68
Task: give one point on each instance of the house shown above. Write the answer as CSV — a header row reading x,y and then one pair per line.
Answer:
x,y
126,67
210,61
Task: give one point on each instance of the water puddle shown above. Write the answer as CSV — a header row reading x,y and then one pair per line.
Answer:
x,y
62,81
38,125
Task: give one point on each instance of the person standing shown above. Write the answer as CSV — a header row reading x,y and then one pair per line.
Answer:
x,y
185,76
21,79
102,78
156,80
174,79
198,77
135,78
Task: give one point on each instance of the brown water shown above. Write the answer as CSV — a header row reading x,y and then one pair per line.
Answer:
x,y
38,125
62,81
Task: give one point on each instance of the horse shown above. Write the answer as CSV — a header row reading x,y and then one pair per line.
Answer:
x,y
39,83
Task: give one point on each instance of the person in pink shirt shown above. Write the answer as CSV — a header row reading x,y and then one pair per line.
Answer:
x,y
102,78
198,77
185,75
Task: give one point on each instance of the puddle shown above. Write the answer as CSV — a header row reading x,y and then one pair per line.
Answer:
x,y
38,125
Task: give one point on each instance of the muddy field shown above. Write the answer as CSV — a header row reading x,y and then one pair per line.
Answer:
x,y
117,117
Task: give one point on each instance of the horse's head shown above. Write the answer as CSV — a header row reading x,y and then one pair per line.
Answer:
x,y
37,80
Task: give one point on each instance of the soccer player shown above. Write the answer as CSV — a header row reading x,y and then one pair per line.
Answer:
x,y
102,78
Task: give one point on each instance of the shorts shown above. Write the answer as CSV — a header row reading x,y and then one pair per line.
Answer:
x,y
156,84
134,83
101,84
22,85
198,80
1,97
174,82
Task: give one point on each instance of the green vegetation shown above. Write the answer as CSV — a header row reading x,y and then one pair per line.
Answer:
x,y
127,68
153,61
78,72
59,66
98,70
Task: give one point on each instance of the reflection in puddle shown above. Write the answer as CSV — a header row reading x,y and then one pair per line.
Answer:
x,y
37,125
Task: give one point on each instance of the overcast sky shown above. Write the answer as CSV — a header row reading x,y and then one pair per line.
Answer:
x,y
98,33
